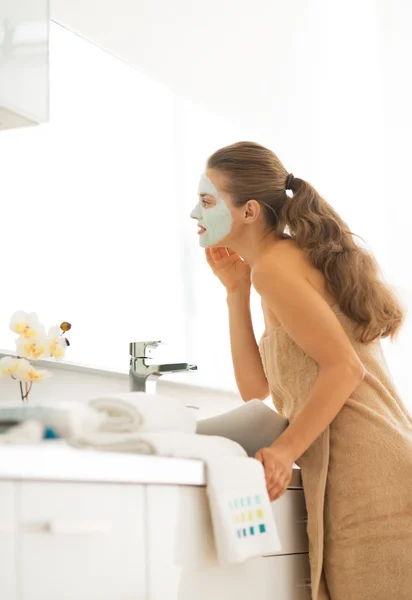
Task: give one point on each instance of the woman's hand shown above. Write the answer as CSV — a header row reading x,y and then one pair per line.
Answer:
x,y
231,270
278,465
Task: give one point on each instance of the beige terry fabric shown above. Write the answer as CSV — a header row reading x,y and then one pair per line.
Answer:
x,y
357,475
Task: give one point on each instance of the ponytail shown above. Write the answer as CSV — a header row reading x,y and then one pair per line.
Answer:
x,y
351,273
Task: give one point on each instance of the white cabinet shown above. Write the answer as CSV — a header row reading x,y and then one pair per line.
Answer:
x,y
81,541
182,562
7,542
108,541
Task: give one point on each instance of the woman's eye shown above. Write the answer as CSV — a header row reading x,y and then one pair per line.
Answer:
x,y
205,203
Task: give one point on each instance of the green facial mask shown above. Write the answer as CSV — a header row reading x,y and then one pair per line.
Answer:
x,y
217,220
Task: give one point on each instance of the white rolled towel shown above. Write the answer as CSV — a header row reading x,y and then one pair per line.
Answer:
x,y
141,412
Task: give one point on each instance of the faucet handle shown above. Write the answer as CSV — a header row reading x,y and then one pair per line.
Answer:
x,y
143,349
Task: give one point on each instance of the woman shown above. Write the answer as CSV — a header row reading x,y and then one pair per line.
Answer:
x,y
325,310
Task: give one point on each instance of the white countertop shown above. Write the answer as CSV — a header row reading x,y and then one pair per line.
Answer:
x,y
55,461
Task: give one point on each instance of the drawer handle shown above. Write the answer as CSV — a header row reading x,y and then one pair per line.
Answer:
x,y
307,583
76,527
303,520
192,406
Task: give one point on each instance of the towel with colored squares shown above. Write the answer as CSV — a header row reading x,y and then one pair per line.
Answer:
x,y
248,515
242,517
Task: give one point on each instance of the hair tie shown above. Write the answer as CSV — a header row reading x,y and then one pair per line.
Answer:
x,y
289,181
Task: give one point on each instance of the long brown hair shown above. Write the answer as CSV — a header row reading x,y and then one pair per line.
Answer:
x,y
351,272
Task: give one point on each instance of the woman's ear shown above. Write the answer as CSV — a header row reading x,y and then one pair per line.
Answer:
x,y
251,211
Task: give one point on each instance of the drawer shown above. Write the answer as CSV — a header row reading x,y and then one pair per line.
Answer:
x,y
290,516
7,542
81,541
274,578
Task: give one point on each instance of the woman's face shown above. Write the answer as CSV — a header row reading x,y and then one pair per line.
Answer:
x,y
214,211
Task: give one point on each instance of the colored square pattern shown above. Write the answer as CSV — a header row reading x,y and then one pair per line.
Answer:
x,y
247,509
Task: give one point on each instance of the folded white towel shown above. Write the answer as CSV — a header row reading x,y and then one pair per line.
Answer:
x,y
253,425
138,411
243,522
168,443
242,517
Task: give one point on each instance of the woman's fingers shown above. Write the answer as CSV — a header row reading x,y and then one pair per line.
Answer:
x,y
277,488
219,253
233,253
275,491
277,472
272,478
271,470
216,254
213,255
277,476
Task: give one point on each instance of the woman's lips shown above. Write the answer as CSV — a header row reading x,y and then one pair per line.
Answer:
x,y
201,230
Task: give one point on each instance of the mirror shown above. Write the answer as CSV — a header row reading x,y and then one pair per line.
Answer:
x,y
24,63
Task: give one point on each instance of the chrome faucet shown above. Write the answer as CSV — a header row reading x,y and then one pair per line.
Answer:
x,y
144,372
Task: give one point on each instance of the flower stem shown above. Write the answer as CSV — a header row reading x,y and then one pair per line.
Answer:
x,y
28,388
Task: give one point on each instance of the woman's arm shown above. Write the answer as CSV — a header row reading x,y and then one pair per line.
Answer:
x,y
312,324
247,364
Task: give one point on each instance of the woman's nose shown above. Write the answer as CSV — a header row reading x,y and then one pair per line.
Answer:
x,y
196,213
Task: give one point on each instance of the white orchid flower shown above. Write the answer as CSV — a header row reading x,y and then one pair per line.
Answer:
x,y
56,344
8,366
32,343
34,348
28,373
27,325
23,364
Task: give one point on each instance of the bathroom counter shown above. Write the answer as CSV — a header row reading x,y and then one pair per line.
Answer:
x,y
55,461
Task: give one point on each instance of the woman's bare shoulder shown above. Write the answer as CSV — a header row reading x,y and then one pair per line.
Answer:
x,y
285,256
